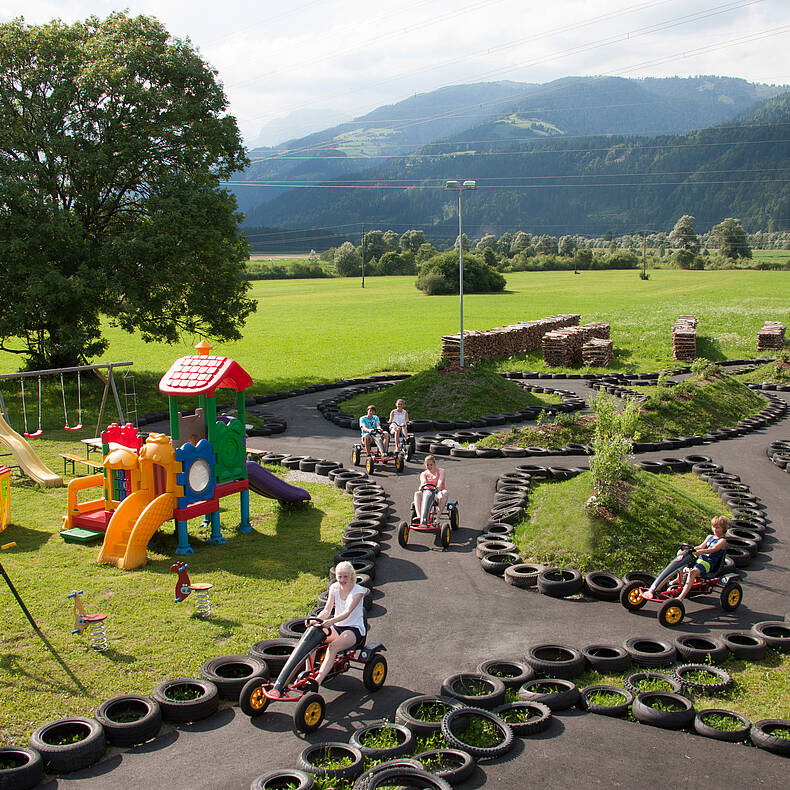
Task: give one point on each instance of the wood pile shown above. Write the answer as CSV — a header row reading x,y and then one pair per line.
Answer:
x,y
503,341
684,337
598,353
563,347
771,336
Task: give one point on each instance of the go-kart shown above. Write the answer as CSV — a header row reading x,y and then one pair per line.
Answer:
x,y
296,682
408,447
430,521
378,455
671,610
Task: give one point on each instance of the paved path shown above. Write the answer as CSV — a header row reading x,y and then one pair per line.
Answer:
x,y
439,613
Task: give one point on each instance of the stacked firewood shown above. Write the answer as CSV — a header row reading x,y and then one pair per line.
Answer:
x,y
771,336
563,347
598,353
503,341
684,337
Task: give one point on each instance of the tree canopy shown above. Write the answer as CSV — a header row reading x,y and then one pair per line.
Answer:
x,y
732,239
113,141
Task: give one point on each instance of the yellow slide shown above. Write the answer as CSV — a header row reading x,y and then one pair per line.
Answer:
x,y
31,464
131,527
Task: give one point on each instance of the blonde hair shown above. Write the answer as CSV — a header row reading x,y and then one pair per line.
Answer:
x,y
429,458
720,521
348,568
400,400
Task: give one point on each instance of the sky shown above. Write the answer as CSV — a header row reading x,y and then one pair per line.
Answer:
x,y
343,58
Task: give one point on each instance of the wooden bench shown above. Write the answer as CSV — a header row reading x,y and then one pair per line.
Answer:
x,y
255,455
68,458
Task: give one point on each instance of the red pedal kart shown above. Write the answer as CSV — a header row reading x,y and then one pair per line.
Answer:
x,y
671,610
378,455
296,682
444,524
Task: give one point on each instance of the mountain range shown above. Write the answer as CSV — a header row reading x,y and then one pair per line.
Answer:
x,y
577,155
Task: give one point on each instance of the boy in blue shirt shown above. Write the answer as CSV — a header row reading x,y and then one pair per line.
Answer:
x,y
370,426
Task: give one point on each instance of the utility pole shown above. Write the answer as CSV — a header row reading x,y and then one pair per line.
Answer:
x,y
363,254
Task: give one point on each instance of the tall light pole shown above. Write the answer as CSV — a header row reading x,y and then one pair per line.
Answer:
x,y
460,187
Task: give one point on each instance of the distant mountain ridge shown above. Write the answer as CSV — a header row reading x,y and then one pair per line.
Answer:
x,y
487,118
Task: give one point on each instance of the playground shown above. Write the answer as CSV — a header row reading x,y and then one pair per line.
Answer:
x,y
275,572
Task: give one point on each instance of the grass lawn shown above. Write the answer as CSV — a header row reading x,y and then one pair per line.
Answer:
x,y
260,579
448,395
661,512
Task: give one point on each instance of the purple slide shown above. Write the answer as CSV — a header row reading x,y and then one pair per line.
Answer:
x,y
265,483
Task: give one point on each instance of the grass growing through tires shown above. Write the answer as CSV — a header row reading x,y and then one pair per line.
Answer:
x,y
382,738
606,698
450,395
722,721
660,512
260,579
481,732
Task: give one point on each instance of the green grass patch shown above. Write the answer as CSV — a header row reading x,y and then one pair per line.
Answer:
x,y
259,579
564,430
481,732
776,372
697,406
606,698
448,395
382,738
722,721
660,511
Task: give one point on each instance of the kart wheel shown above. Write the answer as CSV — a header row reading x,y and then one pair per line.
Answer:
x,y
671,613
631,596
309,712
375,673
731,597
400,463
370,467
444,536
411,448
454,517
403,534
356,455
252,700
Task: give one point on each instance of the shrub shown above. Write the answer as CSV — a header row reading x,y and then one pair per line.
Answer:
x,y
439,275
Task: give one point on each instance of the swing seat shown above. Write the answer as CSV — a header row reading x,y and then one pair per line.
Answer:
x,y
73,427
34,434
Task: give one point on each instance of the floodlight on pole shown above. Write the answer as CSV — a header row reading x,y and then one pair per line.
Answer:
x,y
460,187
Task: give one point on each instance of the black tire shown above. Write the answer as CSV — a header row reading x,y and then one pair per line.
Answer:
x,y
252,700
523,574
455,517
403,534
631,596
557,693
456,721
403,735
643,577
374,674
649,652
311,758
559,582
631,683
405,777
695,649
275,652
62,759
497,562
607,659
603,585
730,736
556,661
530,717
445,536
25,771
679,718
184,710
616,711
474,689
493,547
512,673
129,719
671,612
406,712
288,777
760,735
356,455
745,645
452,765
230,673
309,712
722,683
731,597
366,777
775,633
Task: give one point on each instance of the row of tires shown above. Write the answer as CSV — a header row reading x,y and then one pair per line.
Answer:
x,y
779,453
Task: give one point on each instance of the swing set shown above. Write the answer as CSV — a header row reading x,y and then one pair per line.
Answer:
x,y
109,384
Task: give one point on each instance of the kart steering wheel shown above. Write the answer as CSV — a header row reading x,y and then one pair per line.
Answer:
x,y
428,487
686,547
314,621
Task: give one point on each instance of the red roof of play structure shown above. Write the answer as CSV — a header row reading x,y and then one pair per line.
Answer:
x,y
201,374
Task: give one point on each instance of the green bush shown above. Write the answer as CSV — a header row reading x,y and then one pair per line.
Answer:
x,y
439,275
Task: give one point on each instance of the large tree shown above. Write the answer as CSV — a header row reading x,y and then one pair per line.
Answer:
x,y
732,239
113,142
683,236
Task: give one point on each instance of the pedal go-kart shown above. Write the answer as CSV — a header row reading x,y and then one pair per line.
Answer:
x,y
444,525
671,610
296,682
378,455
